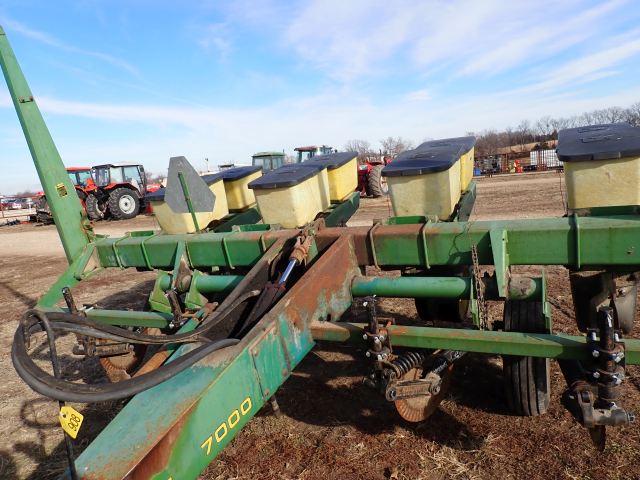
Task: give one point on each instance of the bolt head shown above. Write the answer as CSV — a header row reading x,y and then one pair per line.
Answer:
x,y
379,358
595,353
596,374
364,336
367,354
376,340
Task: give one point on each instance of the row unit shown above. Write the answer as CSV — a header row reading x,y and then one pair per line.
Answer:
x,y
429,180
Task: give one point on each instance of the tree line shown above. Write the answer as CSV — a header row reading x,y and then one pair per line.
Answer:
x,y
547,128
490,140
390,146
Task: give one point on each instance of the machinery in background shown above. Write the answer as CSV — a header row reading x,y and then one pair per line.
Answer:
x,y
82,181
118,191
306,153
371,183
268,160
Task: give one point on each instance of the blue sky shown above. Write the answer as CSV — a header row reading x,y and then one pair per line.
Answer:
x,y
142,81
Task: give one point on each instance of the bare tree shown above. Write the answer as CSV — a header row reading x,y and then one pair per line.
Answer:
x,y
614,114
394,146
560,124
523,133
632,114
545,128
361,146
153,177
487,143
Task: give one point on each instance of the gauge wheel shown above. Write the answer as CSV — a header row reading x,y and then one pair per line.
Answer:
x,y
526,379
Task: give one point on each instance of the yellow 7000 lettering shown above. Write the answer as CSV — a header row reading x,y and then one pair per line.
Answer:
x,y
223,429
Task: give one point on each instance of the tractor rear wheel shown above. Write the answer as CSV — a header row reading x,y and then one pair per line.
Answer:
x,y
526,379
96,210
124,203
376,183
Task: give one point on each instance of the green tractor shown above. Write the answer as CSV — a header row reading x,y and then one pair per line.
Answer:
x,y
307,153
273,160
268,160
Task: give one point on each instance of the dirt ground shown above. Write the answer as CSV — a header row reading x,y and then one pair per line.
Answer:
x,y
333,426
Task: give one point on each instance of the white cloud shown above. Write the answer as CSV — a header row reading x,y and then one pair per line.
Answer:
x,y
591,66
525,37
233,134
418,95
216,37
47,39
347,40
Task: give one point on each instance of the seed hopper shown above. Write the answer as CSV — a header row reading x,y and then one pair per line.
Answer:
x,y
238,304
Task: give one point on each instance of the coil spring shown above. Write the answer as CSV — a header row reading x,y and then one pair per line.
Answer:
x,y
405,362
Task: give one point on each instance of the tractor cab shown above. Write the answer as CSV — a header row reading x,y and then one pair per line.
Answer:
x,y
79,176
111,175
306,153
268,160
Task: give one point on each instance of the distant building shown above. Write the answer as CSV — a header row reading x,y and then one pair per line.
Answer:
x,y
531,156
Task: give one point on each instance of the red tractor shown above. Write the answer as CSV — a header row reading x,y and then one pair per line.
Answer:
x,y
118,191
370,179
81,179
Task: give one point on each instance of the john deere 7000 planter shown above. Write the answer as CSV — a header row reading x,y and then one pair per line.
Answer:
x,y
234,310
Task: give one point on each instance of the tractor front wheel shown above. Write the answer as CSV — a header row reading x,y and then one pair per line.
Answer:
x,y
96,210
376,183
124,203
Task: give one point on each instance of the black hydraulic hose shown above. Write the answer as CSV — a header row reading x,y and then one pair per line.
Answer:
x,y
50,386
63,321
